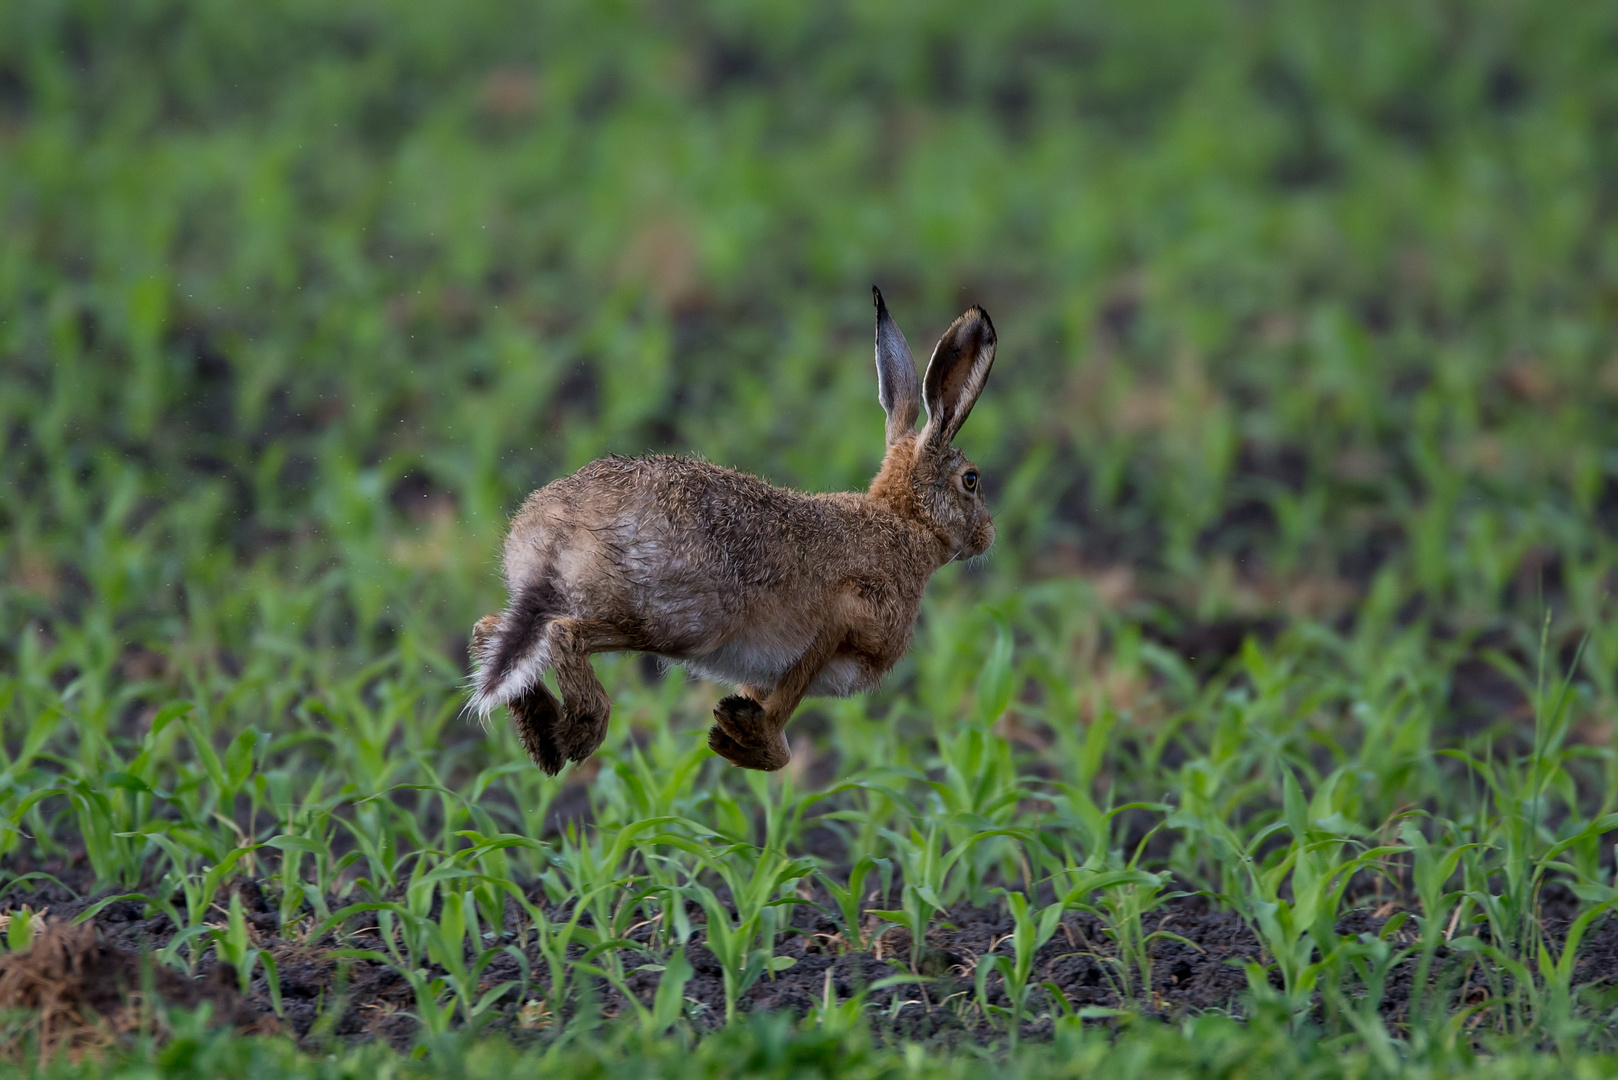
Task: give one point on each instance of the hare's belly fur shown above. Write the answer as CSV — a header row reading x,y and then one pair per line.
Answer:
x,y
845,675
753,663
761,656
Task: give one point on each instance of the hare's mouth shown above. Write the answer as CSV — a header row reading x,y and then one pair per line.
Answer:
x,y
969,556
973,550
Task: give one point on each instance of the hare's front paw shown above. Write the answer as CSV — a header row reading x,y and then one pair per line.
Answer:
x,y
741,716
742,737
767,756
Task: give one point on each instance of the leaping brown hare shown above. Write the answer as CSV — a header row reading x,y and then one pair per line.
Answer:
x,y
779,592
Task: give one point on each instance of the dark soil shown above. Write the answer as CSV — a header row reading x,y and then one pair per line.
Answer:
x,y
81,979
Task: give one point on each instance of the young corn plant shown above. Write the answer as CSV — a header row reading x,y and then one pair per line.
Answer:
x,y
745,948
980,790
234,945
848,1016
1029,934
555,941
306,830
586,864
1318,868
1555,1011
1524,794
198,890
110,808
1128,895
405,946
929,887
413,941
20,927
1431,868
450,940
850,899
653,1024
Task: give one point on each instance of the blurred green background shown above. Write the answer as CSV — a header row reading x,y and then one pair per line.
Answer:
x,y
1301,443
1301,305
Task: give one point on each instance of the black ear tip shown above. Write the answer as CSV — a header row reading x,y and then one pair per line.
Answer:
x,y
973,325
876,298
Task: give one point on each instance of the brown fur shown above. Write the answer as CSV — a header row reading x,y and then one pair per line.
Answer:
x,y
781,592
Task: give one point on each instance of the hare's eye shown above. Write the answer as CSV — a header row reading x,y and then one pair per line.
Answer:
x,y
969,480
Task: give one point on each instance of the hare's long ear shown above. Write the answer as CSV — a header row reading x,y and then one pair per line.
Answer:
x,y
955,376
895,374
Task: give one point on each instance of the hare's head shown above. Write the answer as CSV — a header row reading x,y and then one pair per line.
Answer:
x,y
923,476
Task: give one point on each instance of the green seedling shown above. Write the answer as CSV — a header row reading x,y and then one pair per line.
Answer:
x,y
745,948
1128,895
234,945
847,1017
1318,868
850,899
412,942
1431,869
930,887
21,926
668,1001
1029,934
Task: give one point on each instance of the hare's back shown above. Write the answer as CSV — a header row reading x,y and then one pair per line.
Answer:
x,y
672,529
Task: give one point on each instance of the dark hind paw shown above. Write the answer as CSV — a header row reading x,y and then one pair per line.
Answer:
x,y
581,736
537,715
742,737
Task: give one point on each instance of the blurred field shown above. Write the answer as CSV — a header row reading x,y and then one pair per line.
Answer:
x,y
1300,444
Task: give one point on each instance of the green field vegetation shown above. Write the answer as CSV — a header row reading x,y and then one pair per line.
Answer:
x,y
1302,444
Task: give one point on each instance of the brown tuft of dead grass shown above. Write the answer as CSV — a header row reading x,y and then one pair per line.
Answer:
x,y
75,994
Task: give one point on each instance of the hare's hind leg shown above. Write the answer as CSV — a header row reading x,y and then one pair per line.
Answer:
x,y
482,631
508,650
585,705
535,715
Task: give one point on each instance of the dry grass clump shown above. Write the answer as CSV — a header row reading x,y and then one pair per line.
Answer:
x,y
72,992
